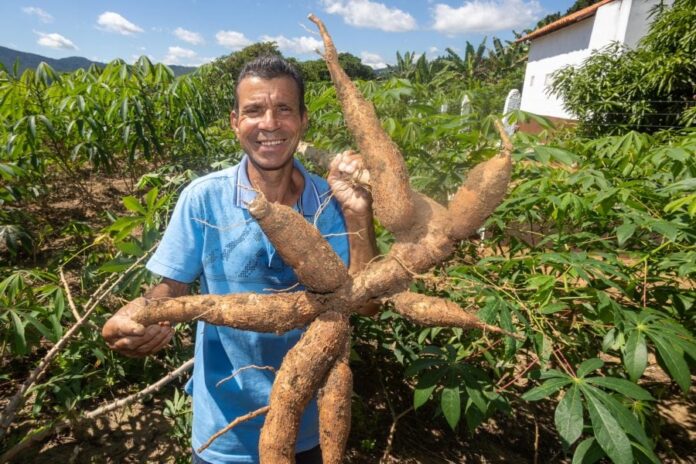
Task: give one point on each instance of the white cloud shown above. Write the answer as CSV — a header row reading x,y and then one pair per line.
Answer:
x,y
372,60
485,16
178,55
114,22
433,52
54,40
372,15
191,37
299,45
43,16
232,39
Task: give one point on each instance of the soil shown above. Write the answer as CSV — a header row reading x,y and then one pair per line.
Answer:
x,y
143,434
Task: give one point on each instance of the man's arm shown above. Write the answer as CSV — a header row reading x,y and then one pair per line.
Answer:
x,y
356,204
131,339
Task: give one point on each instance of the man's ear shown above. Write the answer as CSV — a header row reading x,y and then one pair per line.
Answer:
x,y
305,122
234,121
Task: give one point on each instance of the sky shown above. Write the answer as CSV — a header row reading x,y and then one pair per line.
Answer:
x,y
193,32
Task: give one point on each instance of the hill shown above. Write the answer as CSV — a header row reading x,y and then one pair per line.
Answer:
x,y
32,60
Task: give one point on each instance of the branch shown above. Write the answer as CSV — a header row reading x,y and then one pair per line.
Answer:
x,y
66,423
232,425
18,399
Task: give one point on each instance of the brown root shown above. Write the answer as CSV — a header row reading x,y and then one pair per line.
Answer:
x,y
248,311
301,374
334,410
482,192
438,312
301,246
390,183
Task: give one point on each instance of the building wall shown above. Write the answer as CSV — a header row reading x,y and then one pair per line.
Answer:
x,y
568,46
625,21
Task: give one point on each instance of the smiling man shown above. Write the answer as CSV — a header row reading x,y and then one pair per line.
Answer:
x,y
212,238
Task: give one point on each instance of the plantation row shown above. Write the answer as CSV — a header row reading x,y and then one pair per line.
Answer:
x,y
590,259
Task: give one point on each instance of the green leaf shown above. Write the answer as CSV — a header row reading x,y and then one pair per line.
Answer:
x,y
546,389
588,452
18,333
607,431
623,386
426,385
673,357
130,248
568,416
626,419
624,232
132,204
635,355
450,402
589,365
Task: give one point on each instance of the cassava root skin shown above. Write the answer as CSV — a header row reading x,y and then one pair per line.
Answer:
x,y
321,270
334,409
431,311
277,312
301,374
391,190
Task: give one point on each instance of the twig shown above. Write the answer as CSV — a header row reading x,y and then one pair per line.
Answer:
x,y
392,432
536,440
252,366
65,423
18,399
68,295
232,425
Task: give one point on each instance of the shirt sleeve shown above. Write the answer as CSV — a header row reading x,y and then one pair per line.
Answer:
x,y
179,254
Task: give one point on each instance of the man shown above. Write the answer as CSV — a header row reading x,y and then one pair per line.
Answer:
x,y
212,237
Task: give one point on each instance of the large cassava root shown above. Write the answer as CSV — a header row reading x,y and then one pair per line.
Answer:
x,y
426,234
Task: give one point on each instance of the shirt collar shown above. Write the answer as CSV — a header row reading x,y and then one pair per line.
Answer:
x,y
307,204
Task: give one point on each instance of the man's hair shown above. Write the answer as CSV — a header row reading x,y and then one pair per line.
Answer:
x,y
270,67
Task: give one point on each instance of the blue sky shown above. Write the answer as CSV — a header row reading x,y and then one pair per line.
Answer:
x,y
192,32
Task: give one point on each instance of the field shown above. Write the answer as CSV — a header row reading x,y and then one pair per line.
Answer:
x,y
590,260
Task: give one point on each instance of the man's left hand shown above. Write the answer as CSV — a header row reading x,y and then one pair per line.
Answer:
x,y
353,197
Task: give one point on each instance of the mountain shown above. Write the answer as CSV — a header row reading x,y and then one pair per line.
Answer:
x,y
31,60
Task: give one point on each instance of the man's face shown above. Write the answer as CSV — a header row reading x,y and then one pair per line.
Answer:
x,y
268,122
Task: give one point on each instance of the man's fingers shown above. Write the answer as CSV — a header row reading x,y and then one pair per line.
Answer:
x,y
127,328
158,335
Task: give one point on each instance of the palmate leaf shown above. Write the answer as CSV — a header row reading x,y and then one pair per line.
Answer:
x,y
673,357
450,402
627,421
568,416
621,386
546,389
609,434
588,452
589,365
635,355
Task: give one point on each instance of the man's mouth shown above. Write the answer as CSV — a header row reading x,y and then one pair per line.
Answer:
x,y
270,143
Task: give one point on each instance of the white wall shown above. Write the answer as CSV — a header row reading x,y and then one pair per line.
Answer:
x,y
567,46
625,21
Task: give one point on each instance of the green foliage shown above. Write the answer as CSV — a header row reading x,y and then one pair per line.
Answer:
x,y
647,89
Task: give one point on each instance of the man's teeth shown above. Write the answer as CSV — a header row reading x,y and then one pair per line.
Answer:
x,y
268,143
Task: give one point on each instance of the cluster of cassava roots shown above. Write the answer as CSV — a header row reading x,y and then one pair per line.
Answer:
x,y
426,234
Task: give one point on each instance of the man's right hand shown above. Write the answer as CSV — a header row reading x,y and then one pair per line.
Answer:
x,y
131,339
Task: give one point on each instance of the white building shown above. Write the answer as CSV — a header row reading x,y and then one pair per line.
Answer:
x,y
571,40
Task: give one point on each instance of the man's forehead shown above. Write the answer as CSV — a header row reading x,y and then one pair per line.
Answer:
x,y
253,87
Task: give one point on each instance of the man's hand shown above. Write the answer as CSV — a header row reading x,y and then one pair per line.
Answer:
x,y
131,339
352,197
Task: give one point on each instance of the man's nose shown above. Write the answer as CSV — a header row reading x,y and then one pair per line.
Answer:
x,y
269,120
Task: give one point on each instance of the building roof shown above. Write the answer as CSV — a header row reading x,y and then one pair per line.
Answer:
x,y
564,21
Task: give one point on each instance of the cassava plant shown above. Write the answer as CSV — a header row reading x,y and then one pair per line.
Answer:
x,y
425,234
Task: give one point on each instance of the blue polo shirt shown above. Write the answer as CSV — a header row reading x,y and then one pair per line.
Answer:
x,y
212,237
